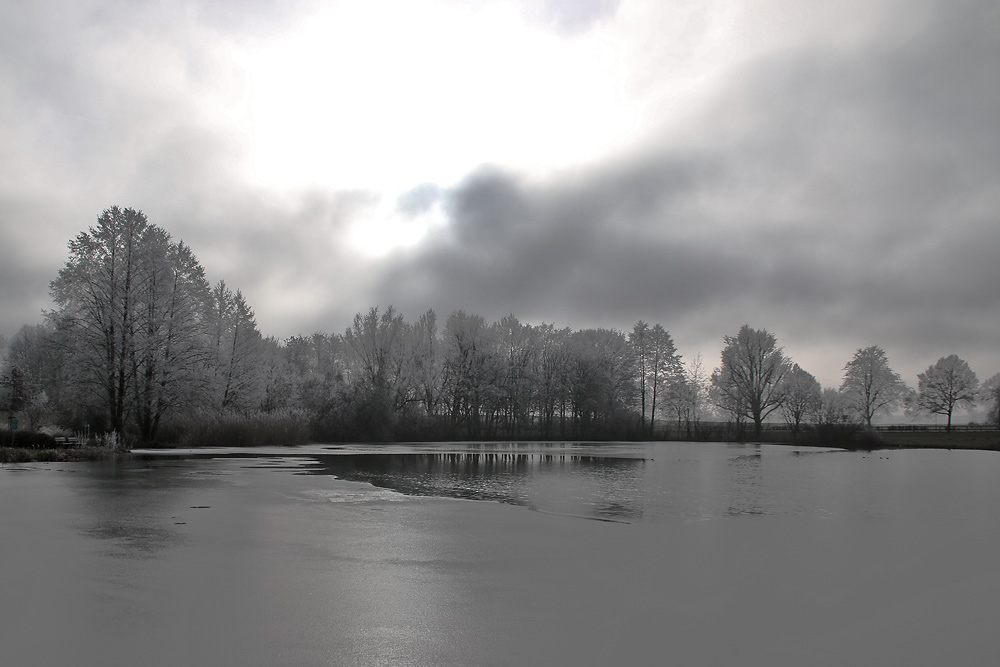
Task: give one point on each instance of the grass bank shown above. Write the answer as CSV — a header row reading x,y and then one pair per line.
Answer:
x,y
58,454
941,440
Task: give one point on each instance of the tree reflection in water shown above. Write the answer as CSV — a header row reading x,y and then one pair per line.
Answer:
x,y
589,486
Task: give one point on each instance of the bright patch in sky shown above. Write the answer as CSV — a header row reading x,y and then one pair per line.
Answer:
x,y
384,96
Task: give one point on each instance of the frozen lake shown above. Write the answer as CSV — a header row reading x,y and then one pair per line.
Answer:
x,y
626,554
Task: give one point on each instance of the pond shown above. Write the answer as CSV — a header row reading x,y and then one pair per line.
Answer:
x,y
503,554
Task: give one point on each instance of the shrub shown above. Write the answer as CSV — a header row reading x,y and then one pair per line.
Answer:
x,y
258,429
27,439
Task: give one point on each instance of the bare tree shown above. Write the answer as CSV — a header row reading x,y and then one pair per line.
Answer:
x,y
990,392
749,383
834,408
552,377
803,398
638,341
666,373
870,386
945,386
239,377
517,349
96,308
693,390
471,372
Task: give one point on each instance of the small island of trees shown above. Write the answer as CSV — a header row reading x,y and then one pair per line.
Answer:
x,y
140,346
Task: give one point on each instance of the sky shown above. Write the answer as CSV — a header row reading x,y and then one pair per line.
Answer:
x,y
828,171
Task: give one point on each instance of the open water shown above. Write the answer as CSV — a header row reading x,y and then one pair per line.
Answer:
x,y
503,554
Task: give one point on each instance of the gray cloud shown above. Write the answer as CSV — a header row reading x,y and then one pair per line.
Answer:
x,y
840,199
839,191
418,200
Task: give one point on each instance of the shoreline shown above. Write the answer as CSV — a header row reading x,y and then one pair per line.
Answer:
x,y
972,441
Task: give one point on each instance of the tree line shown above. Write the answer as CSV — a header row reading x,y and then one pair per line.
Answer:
x,y
140,344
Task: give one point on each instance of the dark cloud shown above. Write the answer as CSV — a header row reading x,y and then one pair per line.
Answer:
x,y
840,199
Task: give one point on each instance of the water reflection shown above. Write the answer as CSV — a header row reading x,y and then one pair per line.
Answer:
x,y
591,486
745,484
139,508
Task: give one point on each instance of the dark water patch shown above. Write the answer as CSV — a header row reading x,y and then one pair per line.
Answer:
x,y
592,486
133,537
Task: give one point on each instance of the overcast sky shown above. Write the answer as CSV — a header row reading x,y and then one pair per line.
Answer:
x,y
829,171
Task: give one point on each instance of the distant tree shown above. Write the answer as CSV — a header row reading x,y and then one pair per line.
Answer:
x,y
693,388
803,398
30,367
749,383
835,408
638,341
516,345
990,393
425,349
471,373
380,370
239,377
945,386
552,378
870,386
601,381
666,374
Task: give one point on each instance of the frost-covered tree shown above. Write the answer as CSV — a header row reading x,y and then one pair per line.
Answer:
x,y
516,348
239,378
129,320
666,375
835,408
601,380
749,383
803,398
638,340
990,394
471,372
946,386
870,385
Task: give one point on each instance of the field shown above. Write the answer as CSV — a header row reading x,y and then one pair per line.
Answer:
x,y
942,440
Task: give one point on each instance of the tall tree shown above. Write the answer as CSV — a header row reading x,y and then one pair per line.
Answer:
x,y
601,381
749,381
378,365
638,340
664,368
130,321
426,362
471,372
945,386
870,386
552,377
238,376
95,295
170,350
516,348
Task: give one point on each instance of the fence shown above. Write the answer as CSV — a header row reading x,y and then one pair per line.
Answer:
x,y
979,428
